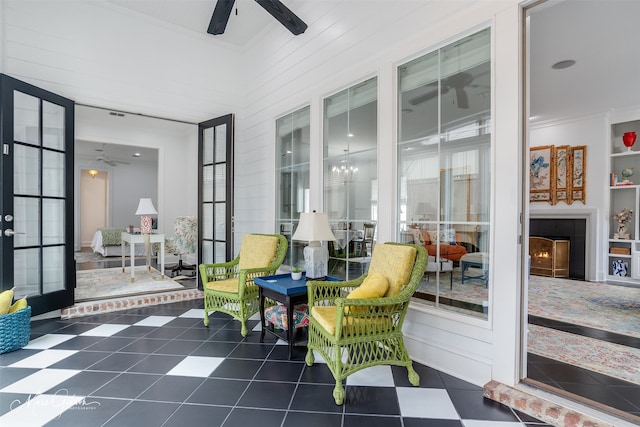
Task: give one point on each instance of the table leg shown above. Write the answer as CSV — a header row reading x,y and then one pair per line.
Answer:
x,y
290,326
262,319
162,259
122,253
131,261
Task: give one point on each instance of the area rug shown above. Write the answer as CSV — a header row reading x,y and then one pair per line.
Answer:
x,y
112,282
472,291
596,305
610,359
83,257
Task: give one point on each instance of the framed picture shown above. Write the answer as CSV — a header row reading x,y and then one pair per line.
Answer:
x,y
562,163
578,164
541,174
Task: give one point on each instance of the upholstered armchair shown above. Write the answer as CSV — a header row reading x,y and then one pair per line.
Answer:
x,y
184,242
229,288
357,324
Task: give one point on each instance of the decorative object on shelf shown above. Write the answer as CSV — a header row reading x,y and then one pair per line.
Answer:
x,y
620,268
313,228
556,174
622,218
627,173
296,273
628,139
145,208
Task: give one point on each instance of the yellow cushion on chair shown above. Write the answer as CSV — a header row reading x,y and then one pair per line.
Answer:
x,y
374,285
395,263
257,251
227,285
326,318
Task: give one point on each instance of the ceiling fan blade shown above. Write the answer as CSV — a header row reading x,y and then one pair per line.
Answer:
x,y
284,15
462,98
427,96
220,17
110,163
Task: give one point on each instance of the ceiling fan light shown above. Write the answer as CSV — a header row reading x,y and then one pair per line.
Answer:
x,y
92,173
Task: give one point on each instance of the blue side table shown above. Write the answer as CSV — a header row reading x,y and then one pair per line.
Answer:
x,y
282,288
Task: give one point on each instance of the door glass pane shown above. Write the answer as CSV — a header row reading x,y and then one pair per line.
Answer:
x,y
53,269
207,220
52,221
220,183
207,252
53,173
220,252
26,118
26,272
26,170
221,143
221,225
207,154
207,184
26,222
52,126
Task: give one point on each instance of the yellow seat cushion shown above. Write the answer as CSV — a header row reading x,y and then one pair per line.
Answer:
x,y
395,263
257,251
326,318
227,285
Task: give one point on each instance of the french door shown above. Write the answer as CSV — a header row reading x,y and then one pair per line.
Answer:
x,y
215,195
36,195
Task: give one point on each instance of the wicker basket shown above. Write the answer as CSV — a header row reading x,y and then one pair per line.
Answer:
x,y
15,330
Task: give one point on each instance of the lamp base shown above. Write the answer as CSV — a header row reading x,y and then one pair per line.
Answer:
x,y
316,260
146,223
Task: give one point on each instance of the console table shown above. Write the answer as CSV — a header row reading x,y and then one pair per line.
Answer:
x,y
132,239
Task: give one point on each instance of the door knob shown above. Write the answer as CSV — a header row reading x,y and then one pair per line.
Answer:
x,y
9,232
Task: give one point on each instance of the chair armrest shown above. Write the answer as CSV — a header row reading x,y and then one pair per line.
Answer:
x,y
220,271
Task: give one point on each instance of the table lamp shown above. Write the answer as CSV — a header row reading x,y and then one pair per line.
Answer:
x,y
145,208
313,228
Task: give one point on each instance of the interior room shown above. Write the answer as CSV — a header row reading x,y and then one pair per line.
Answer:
x,y
412,123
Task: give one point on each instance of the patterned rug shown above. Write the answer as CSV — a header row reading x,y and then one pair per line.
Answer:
x,y
596,305
82,257
112,282
472,291
595,355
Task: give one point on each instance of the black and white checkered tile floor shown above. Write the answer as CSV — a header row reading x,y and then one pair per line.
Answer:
x,y
159,366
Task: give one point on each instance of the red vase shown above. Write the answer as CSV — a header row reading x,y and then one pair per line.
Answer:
x,y
629,138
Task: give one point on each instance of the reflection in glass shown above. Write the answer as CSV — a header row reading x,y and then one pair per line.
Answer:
x,y
220,223
207,252
52,126
207,156
26,272
220,252
444,167
351,173
52,269
221,143
53,174
26,222
207,221
220,180
52,221
26,118
26,170
292,176
207,184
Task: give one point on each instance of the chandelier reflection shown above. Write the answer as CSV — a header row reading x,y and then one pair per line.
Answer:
x,y
345,172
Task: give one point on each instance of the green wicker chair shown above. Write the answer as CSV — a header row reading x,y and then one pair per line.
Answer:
x,y
352,333
229,288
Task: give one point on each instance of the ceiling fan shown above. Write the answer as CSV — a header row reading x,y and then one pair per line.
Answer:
x,y
458,82
282,13
102,157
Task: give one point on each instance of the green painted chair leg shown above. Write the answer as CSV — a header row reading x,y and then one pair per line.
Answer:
x,y
414,378
338,393
310,358
206,318
244,330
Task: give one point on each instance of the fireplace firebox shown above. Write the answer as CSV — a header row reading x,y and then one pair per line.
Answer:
x,y
549,257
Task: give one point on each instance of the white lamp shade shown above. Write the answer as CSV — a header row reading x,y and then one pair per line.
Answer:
x,y
145,207
313,226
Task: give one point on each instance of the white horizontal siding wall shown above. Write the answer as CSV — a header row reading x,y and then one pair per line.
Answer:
x,y
286,73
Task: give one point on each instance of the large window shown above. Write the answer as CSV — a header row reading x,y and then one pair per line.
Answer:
x,y
350,176
292,178
444,169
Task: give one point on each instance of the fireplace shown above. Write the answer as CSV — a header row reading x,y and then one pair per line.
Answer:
x,y
549,257
566,226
